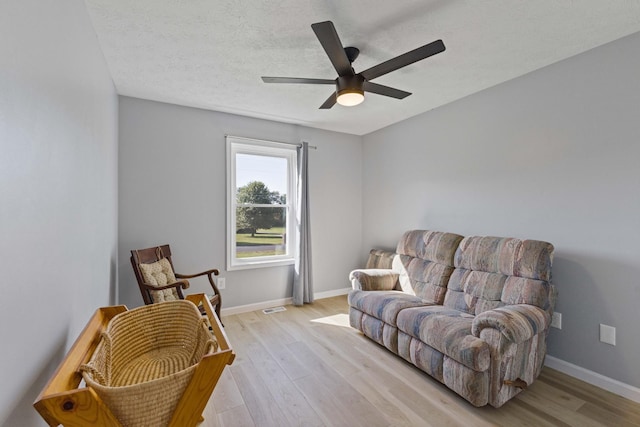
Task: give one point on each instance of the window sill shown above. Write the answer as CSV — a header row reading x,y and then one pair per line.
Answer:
x,y
261,264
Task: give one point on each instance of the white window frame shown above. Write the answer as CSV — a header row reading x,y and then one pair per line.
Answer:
x,y
238,145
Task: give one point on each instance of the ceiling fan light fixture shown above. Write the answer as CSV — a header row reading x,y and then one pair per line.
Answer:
x,y
350,97
350,90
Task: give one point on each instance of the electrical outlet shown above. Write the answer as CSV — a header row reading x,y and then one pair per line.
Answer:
x,y
221,283
556,320
607,334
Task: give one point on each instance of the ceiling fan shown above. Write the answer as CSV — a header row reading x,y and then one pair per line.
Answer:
x,y
350,87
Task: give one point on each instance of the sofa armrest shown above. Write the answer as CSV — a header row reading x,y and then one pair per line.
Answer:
x,y
374,279
517,323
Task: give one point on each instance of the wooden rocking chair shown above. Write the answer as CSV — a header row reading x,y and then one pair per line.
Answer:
x,y
158,281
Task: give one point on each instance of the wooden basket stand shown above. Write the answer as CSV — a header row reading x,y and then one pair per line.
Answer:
x,y
62,402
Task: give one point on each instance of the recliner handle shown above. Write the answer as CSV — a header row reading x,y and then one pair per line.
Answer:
x,y
517,383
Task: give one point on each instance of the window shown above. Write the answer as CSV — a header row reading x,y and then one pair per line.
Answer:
x,y
261,200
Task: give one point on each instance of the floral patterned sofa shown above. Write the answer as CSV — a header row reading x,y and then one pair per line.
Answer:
x,y
472,312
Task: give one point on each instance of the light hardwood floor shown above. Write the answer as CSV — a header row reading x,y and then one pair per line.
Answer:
x,y
306,367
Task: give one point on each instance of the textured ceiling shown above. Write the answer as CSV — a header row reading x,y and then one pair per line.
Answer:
x,y
211,53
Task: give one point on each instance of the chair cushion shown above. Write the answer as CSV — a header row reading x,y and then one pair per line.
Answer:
x,y
448,331
160,273
383,305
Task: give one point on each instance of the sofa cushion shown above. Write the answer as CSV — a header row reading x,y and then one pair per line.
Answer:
x,y
423,278
379,258
383,305
474,292
448,331
508,256
425,263
435,246
491,272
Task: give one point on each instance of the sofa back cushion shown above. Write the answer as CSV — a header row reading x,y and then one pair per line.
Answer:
x,y
424,262
492,271
379,258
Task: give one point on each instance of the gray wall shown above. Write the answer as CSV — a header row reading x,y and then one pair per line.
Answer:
x,y
552,155
58,184
172,168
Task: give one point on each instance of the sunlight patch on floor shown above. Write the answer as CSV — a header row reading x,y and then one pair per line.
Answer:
x,y
341,319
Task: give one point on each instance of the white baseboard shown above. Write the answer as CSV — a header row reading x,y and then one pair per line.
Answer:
x,y
614,386
256,306
276,302
333,293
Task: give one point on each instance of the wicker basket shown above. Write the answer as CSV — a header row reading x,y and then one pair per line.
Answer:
x,y
145,360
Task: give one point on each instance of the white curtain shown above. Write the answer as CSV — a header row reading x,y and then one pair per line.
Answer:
x,y
303,278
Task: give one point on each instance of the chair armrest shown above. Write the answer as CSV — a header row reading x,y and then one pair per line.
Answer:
x,y
184,284
374,279
213,271
517,323
209,273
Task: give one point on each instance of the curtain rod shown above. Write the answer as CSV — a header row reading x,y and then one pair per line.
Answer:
x,y
265,140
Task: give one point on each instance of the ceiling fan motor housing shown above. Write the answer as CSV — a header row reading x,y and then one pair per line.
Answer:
x,y
352,53
350,84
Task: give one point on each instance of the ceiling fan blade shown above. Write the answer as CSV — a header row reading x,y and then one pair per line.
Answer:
x,y
298,80
328,37
385,90
404,60
330,102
